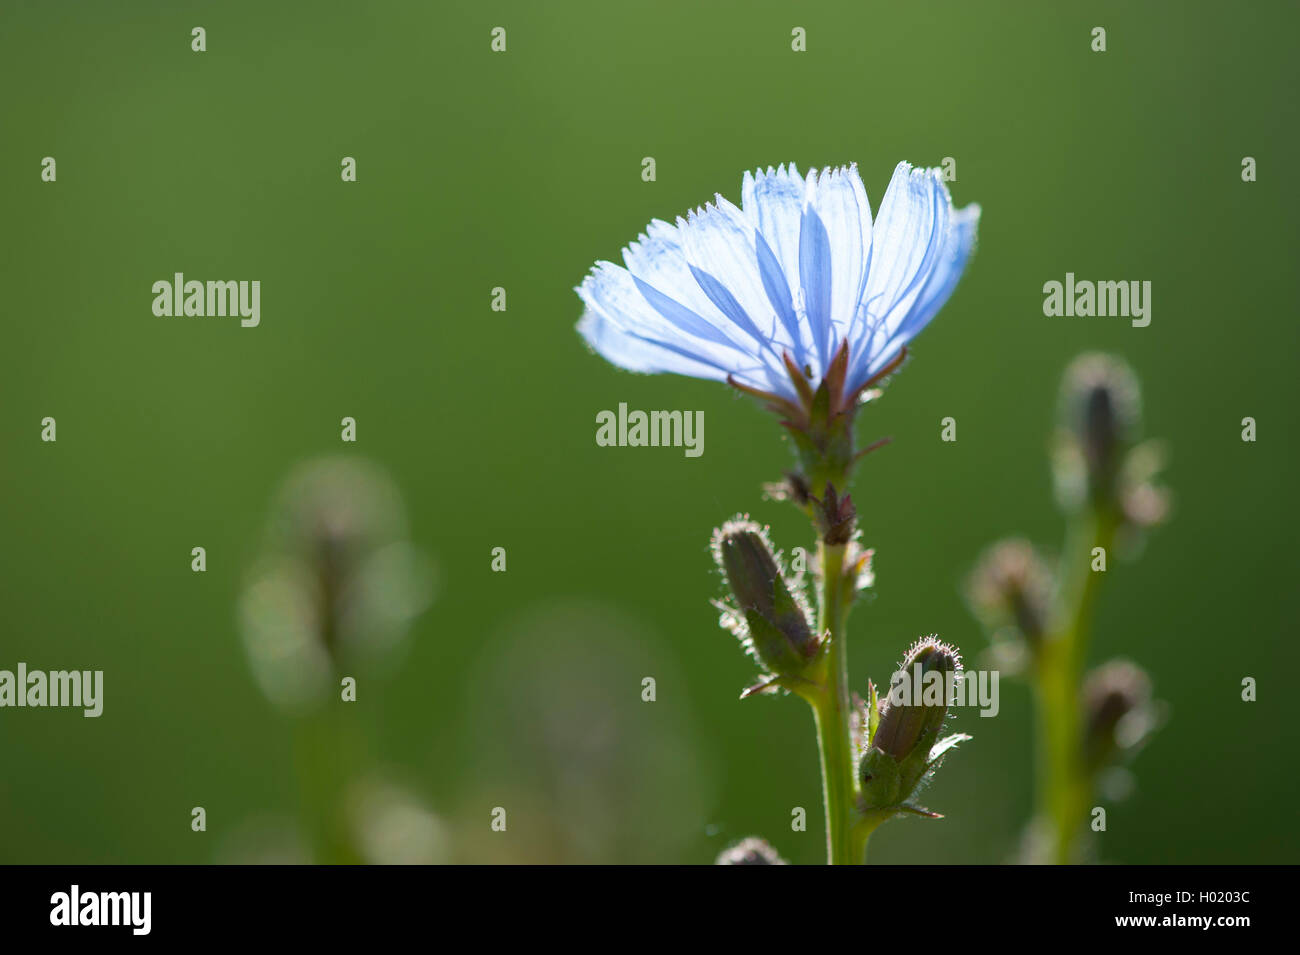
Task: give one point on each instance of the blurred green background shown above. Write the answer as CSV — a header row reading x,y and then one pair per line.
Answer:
x,y
475,170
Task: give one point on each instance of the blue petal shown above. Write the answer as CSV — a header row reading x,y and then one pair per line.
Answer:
x,y
681,316
841,203
727,304
773,204
636,327
778,293
957,248
612,292
719,241
907,240
958,244
815,278
719,245
629,351
658,262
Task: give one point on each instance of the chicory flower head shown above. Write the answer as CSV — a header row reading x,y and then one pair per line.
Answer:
x,y
796,287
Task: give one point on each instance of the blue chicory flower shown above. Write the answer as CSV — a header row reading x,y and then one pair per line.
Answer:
x,y
798,271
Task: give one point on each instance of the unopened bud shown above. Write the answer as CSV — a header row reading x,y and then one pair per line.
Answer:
x,y
905,726
1118,712
835,517
1012,586
911,719
339,582
1100,415
750,851
769,617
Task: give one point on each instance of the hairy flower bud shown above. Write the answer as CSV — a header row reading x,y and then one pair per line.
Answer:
x,y
900,752
1011,586
750,851
1118,711
1100,415
906,725
769,617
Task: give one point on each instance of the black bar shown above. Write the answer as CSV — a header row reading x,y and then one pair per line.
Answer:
x,y
907,904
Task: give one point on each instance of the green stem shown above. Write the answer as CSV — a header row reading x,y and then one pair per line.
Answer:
x,y
1059,782
324,754
862,830
1064,786
831,711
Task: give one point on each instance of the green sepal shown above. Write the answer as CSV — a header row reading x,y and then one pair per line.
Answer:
x,y
921,811
879,779
942,747
873,712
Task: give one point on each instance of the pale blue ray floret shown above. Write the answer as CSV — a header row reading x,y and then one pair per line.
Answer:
x,y
799,269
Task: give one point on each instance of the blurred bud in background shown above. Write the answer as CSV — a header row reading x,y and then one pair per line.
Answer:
x,y
578,726
1010,591
338,582
751,851
264,839
392,825
1097,460
1099,417
1119,713
1142,502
